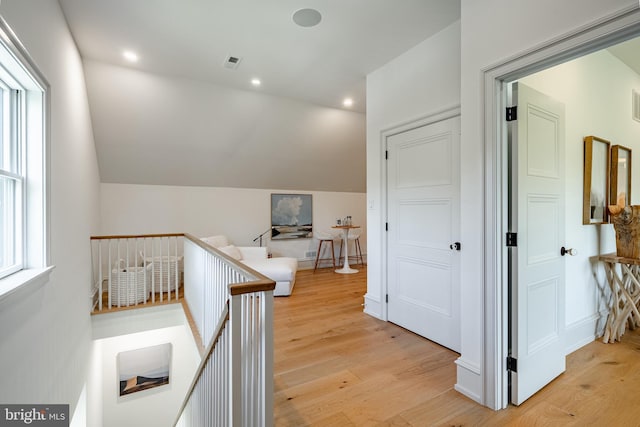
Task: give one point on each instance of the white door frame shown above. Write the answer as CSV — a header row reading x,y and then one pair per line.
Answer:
x,y
598,35
385,134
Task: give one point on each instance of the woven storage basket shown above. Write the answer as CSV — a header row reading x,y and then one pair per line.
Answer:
x,y
164,272
130,285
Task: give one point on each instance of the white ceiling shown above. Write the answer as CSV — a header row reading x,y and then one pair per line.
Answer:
x,y
320,65
172,119
178,117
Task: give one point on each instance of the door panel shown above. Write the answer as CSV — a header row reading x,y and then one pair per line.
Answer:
x,y
542,324
424,220
414,230
411,288
537,268
542,246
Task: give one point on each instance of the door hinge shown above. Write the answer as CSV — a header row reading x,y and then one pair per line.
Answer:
x,y
512,113
512,239
512,364
386,154
386,226
386,299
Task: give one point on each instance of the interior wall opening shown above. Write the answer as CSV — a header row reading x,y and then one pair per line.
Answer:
x,y
597,86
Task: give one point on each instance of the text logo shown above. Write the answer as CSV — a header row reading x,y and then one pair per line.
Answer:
x,y
34,415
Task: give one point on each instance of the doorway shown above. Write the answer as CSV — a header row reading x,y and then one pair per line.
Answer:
x,y
497,80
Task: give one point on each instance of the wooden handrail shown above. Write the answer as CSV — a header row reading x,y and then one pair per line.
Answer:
x,y
207,355
249,287
136,236
262,284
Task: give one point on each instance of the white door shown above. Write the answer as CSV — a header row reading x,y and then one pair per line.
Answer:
x,y
537,267
423,200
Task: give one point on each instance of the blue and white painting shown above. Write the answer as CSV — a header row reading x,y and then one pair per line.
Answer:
x,y
291,216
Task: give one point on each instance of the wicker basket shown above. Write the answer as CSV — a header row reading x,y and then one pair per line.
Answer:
x,y
130,285
166,272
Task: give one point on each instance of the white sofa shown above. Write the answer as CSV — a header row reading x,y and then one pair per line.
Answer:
x,y
282,270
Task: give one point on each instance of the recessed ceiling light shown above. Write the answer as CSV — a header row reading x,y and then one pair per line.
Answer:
x,y
256,82
130,56
348,102
307,17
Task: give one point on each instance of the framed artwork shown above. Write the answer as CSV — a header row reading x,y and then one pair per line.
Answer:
x,y
143,368
596,180
291,216
620,179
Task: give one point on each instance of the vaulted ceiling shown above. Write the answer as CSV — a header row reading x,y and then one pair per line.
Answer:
x,y
178,116
321,64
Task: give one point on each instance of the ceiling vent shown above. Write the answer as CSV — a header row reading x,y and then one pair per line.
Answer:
x,y
635,108
232,62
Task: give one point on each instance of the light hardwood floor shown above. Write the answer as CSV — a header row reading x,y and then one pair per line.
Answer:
x,y
336,366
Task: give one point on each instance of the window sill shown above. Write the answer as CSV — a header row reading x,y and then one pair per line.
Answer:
x,y
32,278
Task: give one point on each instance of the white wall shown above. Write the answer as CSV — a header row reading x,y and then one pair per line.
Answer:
x,y
125,331
432,77
154,129
596,90
420,82
484,43
45,335
239,213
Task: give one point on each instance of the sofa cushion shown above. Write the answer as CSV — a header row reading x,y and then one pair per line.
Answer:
x,y
232,251
278,269
250,253
216,241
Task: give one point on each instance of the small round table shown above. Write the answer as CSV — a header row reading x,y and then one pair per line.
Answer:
x,y
345,233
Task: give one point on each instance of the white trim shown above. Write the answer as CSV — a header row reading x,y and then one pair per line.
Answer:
x,y
36,159
32,278
373,306
469,366
580,333
423,120
589,38
469,378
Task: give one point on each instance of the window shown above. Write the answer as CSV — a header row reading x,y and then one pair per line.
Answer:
x,y
23,159
11,181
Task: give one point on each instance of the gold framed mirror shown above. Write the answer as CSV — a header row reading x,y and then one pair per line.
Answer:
x,y
596,180
620,179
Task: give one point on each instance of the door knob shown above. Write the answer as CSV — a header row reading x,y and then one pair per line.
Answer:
x,y
569,251
455,246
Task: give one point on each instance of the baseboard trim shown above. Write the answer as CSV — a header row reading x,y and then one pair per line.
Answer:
x,y
373,307
581,333
469,380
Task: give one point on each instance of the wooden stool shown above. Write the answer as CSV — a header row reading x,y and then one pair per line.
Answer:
x,y
324,238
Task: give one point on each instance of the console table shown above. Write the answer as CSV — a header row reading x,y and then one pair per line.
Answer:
x,y
623,277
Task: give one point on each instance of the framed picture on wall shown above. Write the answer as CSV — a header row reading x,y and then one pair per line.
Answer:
x,y
620,179
596,180
143,368
291,216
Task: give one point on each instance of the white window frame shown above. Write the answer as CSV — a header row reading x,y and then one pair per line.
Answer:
x,y
18,71
12,114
